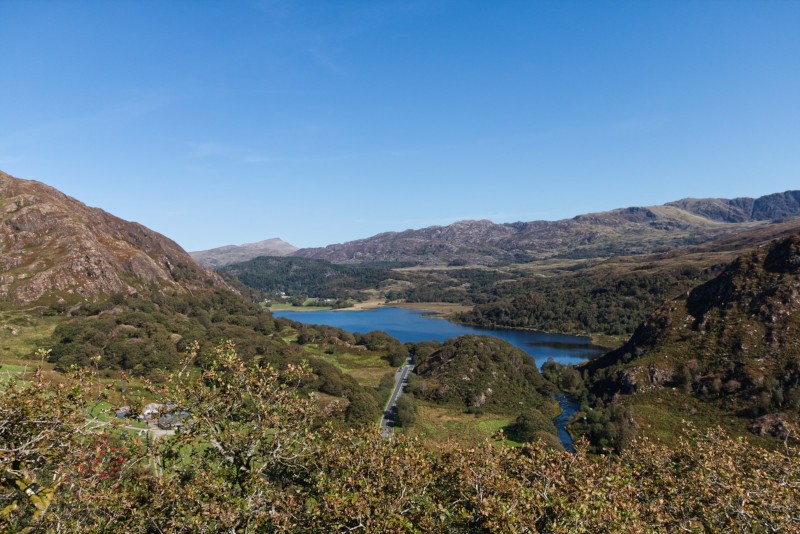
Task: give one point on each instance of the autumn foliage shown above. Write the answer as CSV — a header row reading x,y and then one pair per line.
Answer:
x,y
258,456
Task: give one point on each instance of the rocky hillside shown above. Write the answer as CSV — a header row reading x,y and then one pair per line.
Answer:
x,y
619,232
53,247
733,341
222,256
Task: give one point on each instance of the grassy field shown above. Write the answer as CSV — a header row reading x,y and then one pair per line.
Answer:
x,y
12,367
21,332
664,414
441,427
444,309
366,367
290,307
9,371
607,341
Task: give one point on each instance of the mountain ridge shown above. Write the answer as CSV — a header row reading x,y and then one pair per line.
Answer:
x,y
632,230
742,209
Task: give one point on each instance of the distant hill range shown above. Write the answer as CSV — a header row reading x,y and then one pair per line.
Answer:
x,y
626,231
222,256
54,248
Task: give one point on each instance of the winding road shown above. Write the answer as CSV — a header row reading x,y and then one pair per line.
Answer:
x,y
400,383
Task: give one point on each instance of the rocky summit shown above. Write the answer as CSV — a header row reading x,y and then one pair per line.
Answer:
x,y
55,248
222,256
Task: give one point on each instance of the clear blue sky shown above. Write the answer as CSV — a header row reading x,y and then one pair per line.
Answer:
x,y
222,122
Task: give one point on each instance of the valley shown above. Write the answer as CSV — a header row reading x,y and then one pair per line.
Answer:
x,y
605,298
698,354
414,326
399,267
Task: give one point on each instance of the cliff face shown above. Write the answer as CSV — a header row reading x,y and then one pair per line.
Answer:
x,y
53,247
734,340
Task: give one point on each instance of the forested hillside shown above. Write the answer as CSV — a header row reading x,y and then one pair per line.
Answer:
x,y
308,278
482,373
598,300
613,296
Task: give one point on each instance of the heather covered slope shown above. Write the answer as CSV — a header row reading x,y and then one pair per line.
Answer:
x,y
627,231
53,247
733,342
261,458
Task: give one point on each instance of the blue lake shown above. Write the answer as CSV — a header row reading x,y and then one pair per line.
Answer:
x,y
416,325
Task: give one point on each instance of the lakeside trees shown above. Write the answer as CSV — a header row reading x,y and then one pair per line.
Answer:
x,y
303,277
609,298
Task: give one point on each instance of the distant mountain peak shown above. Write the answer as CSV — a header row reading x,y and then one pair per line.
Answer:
x,y
472,222
221,256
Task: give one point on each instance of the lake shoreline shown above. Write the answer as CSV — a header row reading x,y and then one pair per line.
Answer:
x,y
447,311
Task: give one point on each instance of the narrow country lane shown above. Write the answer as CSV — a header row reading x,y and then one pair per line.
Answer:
x,y
389,415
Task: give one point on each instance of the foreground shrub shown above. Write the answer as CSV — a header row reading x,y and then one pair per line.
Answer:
x,y
258,456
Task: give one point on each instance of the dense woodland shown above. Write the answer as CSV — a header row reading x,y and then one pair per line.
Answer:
x,y
589,301
307,278
150,337
585,299
480,373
